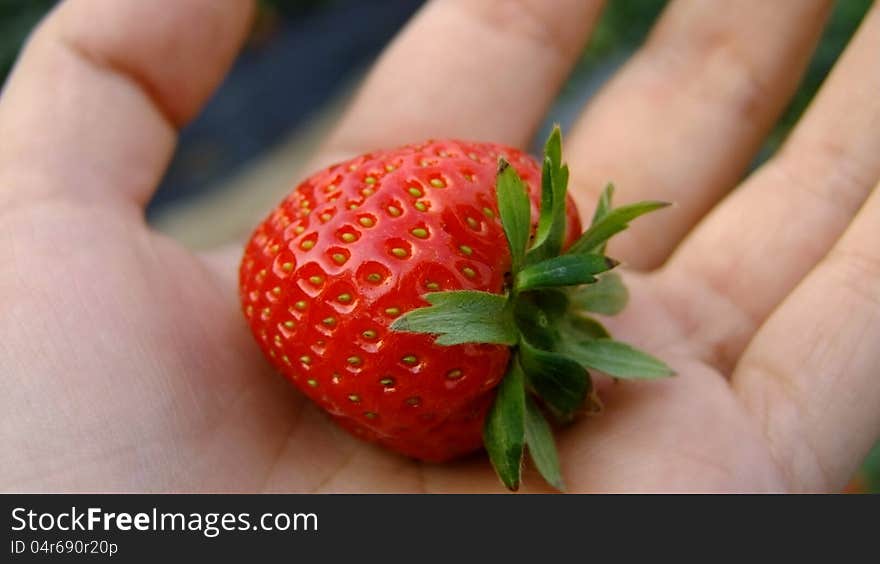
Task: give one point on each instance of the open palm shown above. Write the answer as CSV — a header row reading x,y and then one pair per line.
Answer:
x,y
125,363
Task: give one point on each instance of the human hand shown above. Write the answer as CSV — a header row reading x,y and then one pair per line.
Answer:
x,y
125,364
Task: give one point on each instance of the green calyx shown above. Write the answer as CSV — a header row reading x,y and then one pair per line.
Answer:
x,y
544,316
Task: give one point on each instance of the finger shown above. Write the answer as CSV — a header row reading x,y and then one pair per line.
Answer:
x,y
92,108
687,114
483,70
810,375
756,246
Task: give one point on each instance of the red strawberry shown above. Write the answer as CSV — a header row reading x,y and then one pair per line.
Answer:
x,y
357,246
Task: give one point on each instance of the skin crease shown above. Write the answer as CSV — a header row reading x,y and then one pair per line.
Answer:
x,y
126,365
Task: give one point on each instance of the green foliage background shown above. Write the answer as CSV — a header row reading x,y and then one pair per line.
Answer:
x,y
17,18
624,24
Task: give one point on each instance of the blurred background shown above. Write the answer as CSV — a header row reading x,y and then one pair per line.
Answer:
x,y
304,59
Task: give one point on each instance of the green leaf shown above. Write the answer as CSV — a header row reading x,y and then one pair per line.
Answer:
x,y
462,316
553,147
612,223
553,244
579,327
617,359
560,382
565,270
542,447
604,204
554,183
602,209
608,296
515,211
545,219
504,430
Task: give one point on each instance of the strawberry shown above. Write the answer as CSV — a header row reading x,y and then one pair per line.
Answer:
x,y
396,291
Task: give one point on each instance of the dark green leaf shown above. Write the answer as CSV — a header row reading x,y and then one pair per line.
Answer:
x,y
515,211
612,223
565,270
617,359
462,316
542,447
561,383
553,302
504,430
535,324
608,296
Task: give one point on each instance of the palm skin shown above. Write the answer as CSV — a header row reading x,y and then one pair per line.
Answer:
x,y
126,365
195,407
